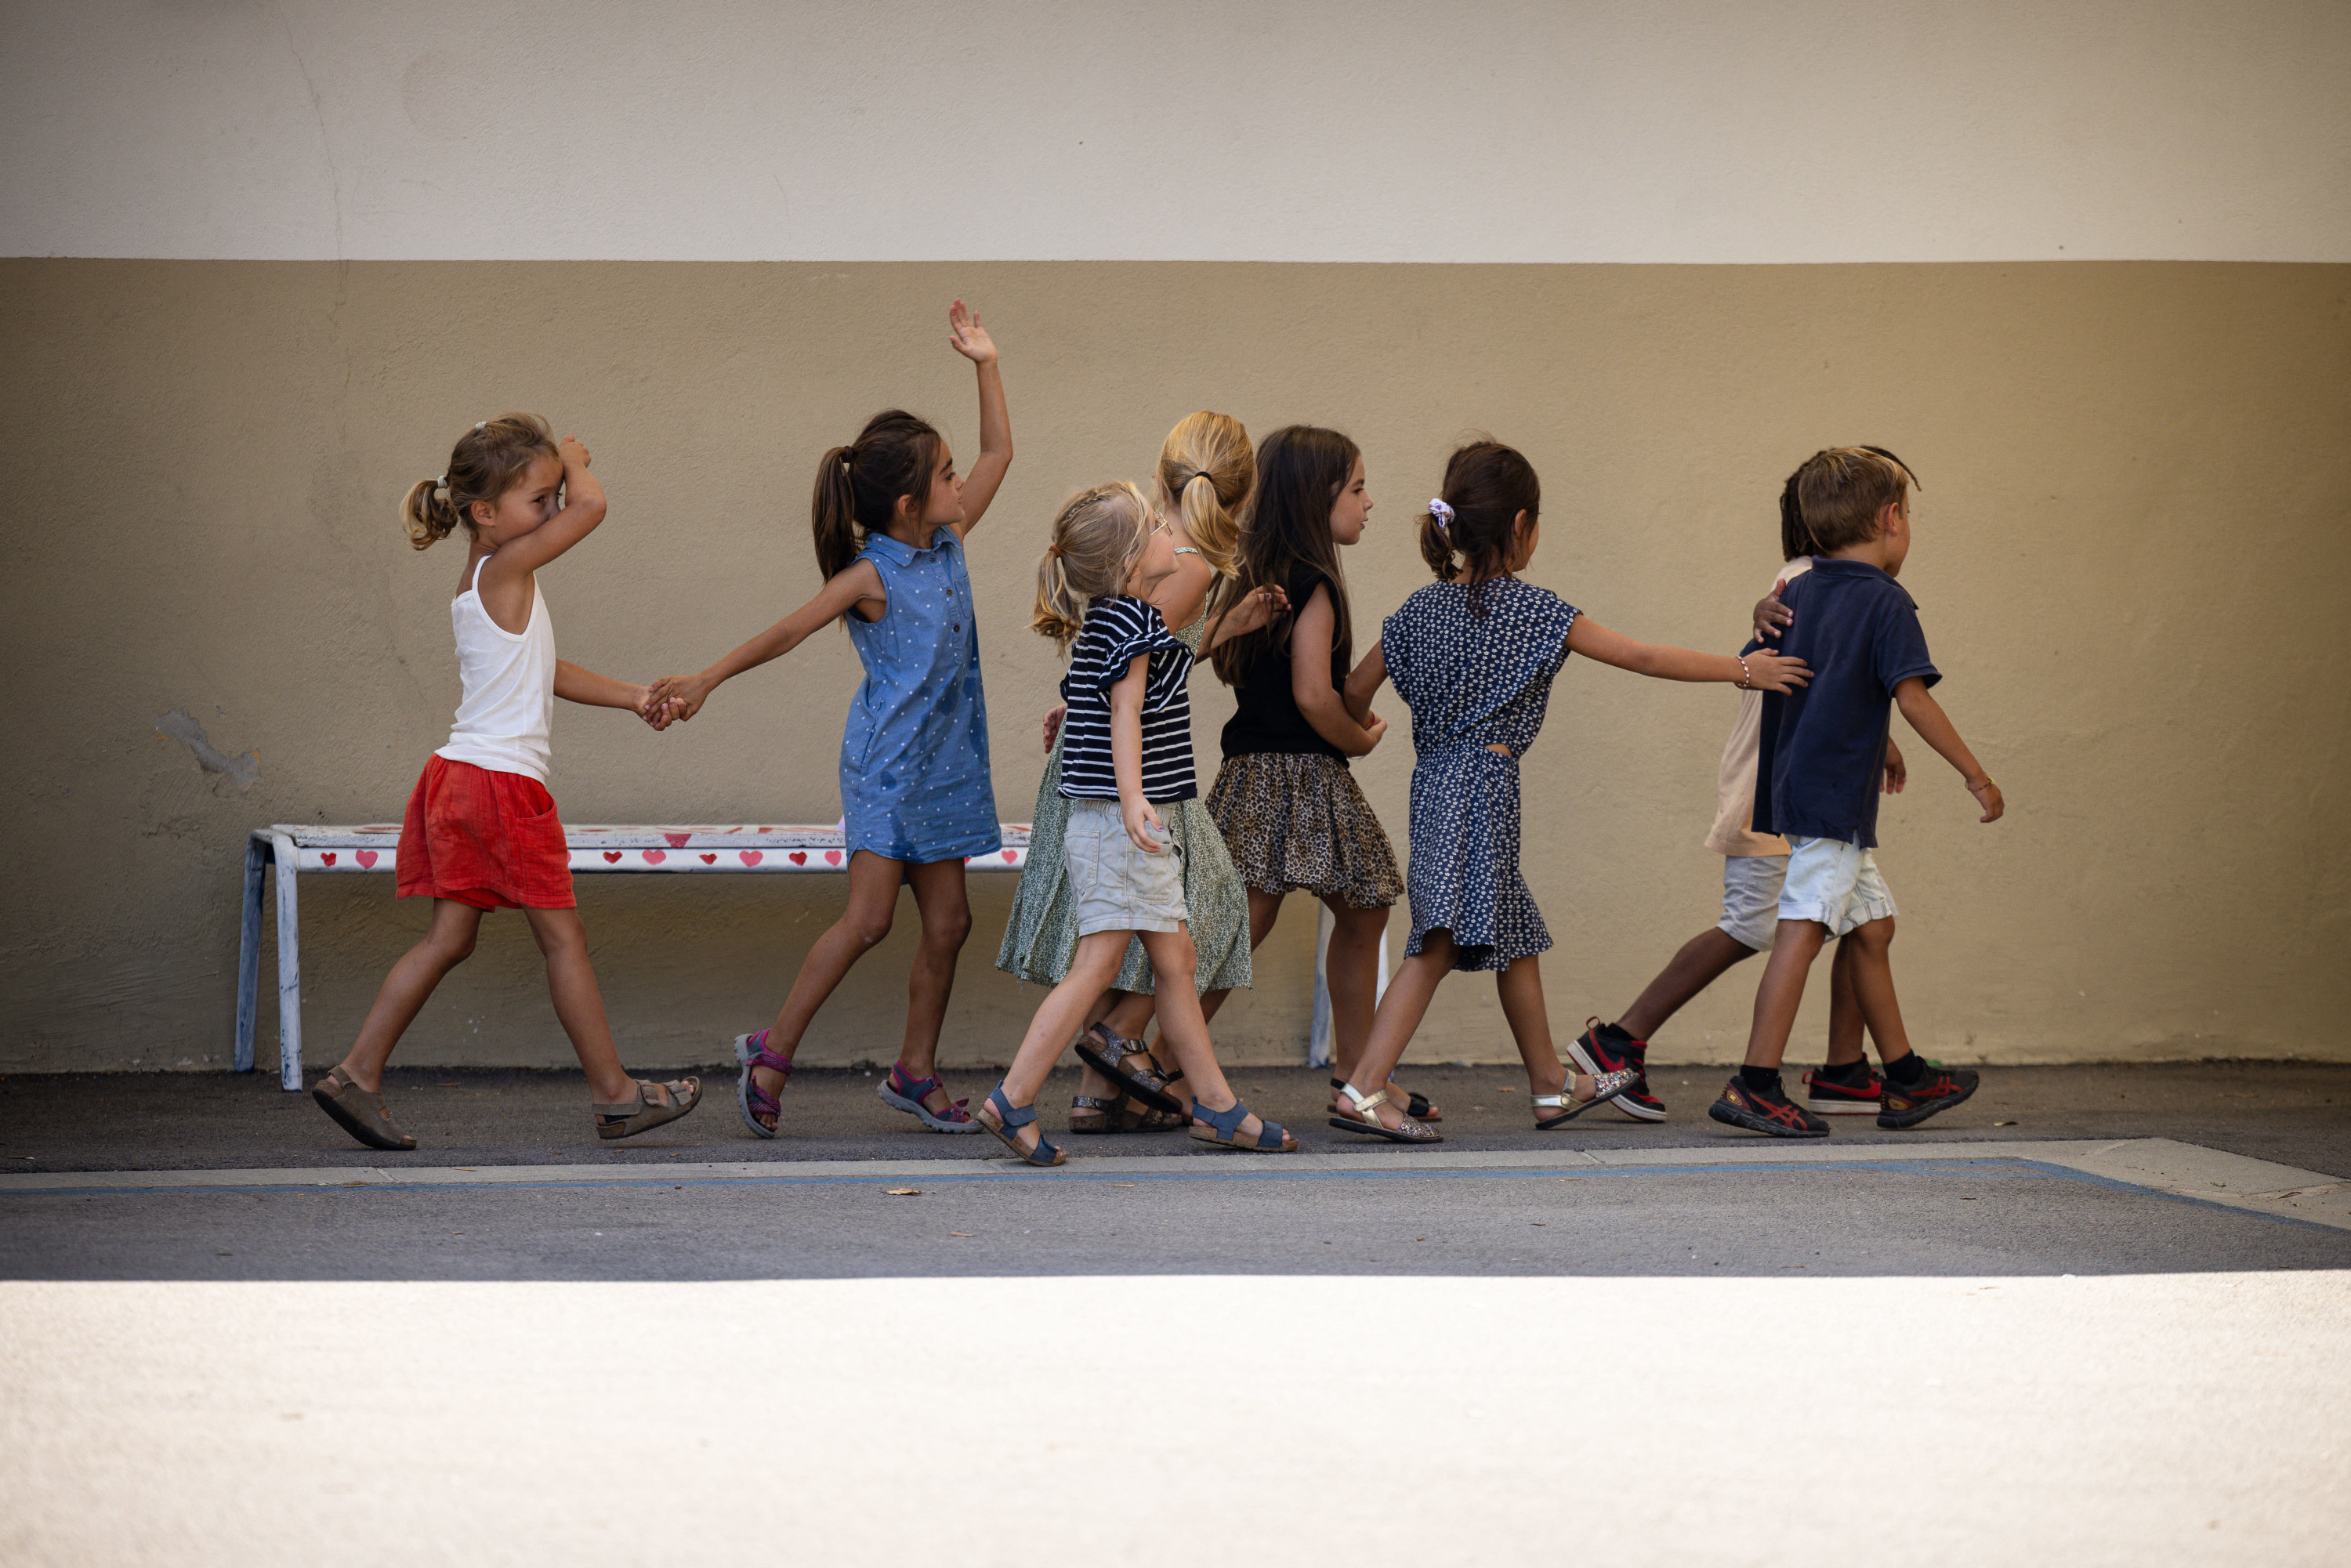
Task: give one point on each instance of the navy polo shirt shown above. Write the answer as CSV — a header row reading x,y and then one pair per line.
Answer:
x,y
1823,746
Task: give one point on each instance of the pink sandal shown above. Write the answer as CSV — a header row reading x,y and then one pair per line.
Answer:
x,y
751,1050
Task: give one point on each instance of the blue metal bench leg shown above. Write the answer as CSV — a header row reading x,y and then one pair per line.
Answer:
x,y
248,951
289,971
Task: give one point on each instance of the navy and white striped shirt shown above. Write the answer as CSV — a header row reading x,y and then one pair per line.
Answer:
x,y
1117,629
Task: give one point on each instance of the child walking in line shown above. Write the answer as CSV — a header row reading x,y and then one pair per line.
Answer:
x,y
1817,779
1754,867
1205,472
481,831
1290,811
1126,758
890,517
1473,654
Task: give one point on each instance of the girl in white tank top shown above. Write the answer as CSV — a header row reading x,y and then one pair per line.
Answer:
x,y
482,832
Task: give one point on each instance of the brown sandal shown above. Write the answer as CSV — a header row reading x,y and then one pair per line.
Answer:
x,y
359,1113
1119,1114
631,1117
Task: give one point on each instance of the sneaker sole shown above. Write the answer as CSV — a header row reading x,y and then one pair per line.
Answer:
x,y
1622,1104
1843,1107
1918,1114
1731,1115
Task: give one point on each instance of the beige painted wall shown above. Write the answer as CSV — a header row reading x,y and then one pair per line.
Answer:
x,y
2130,561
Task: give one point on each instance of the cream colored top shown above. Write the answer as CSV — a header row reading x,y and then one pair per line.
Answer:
x,y
509,705
1735,792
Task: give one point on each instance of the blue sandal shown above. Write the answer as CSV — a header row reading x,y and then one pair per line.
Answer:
x,y
1008,1120
1223,1130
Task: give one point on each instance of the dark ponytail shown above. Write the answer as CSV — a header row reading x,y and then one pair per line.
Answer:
x,y
857,486
1487,486
487,461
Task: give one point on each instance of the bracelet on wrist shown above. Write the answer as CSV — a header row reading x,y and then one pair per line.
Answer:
x,y
1985,785
1746,676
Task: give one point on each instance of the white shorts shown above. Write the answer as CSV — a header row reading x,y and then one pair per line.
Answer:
x,y
1115,885
1836,884
1751,898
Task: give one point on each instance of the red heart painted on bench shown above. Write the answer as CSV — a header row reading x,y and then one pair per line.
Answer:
x,y
832,857
1011,855
710,859
328,857
799,857
614,856
750,857
655,857
367,859
677,840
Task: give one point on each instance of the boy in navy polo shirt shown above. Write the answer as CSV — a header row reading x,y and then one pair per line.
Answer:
x,y
1816,780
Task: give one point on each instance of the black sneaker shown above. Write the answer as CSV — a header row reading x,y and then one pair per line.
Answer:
x,y
1604,1047
1827,1097
1765,1111
1908,1104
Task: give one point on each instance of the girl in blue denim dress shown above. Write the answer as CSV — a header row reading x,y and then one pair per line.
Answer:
x,y
890,517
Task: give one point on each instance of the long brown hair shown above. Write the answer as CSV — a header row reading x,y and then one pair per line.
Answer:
x,y
857,486
1300,469
487,461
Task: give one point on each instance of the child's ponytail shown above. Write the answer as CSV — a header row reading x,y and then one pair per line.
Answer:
x,y
1205,471
857,486
1096,537
487,461
1487,487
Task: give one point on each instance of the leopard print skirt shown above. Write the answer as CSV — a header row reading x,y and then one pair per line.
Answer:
x,y
1297,820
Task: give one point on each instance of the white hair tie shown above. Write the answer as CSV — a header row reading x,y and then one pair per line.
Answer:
x,y
1444,516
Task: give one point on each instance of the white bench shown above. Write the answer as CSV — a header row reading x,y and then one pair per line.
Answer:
x,y
294,848
600,850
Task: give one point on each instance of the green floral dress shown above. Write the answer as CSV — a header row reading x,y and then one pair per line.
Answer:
x,y
1042,934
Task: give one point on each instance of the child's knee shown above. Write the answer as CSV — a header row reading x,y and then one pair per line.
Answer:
x,y
947,927
868,925
450,951
1874,936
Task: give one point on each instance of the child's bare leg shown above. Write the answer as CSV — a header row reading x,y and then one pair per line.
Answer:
x,y
1351,973
1265,909
1521,989
1782,990
572,981
1703,959
941,900
1184,1028
1873,989
1844,1008
408,987
873,884
1399,1015
1091,969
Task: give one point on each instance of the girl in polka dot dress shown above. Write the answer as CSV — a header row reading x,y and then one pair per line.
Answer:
x,y
1473,655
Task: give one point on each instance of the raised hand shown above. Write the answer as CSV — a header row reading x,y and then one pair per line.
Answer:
x,y
967,337
1777,671
1772,617
573,452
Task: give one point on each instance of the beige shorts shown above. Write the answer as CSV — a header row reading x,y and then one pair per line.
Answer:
x,y
1115,885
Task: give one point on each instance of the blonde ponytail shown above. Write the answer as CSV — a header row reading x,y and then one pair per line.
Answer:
x,y
430,513
1097,535
1207,471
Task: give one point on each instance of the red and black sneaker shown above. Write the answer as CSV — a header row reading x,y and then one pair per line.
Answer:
x,y
1828,1097
1765,1111
1604,1047
1908,1104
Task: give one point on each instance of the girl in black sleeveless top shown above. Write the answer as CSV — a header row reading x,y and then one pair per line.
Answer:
x,y
1290,813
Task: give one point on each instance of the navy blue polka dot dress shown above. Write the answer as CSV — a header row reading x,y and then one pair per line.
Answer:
x,y
1473,680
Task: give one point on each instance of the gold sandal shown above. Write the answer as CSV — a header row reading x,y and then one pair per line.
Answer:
x,y
631,1117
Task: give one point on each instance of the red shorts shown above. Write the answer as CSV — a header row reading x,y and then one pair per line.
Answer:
x,y
490,839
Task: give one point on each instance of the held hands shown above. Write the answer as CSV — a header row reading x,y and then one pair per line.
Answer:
x,y
1772,617
1776,671
1374,726
1053,716
1142,824
967,337
1988,795
678,698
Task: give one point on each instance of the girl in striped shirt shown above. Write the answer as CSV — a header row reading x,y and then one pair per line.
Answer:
x,y
1126,749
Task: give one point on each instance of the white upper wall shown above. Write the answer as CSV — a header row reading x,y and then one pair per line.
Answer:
x,y
1619,130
